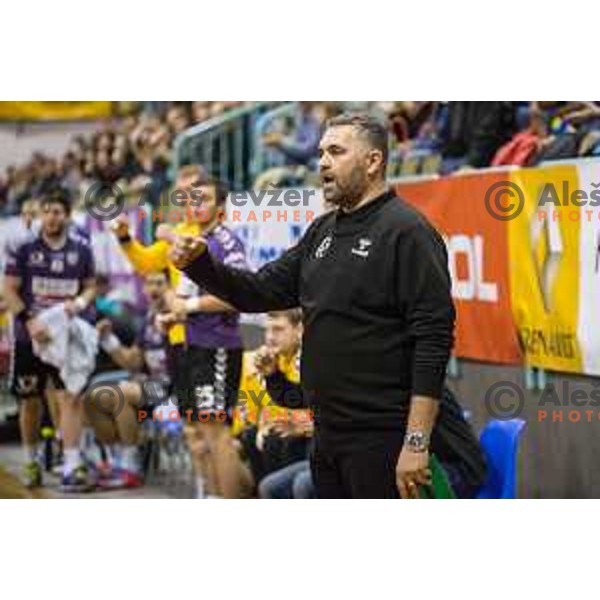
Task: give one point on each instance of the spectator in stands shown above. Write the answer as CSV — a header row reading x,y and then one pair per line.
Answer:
x,y
523,149
23,229
124,162
574,129
178,120
151,179
299,149
474,131
410,121
70,173
200,111
105,169
134,153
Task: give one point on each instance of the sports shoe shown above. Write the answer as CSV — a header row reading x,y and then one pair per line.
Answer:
x,y
78,480
120,479
32,474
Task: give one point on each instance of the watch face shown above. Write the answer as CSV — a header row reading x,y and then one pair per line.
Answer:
x,y
416,440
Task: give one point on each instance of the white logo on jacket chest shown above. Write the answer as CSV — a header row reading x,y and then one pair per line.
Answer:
x,y
323,247
362,247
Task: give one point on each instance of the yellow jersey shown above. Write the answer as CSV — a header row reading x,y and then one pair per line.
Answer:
x,y
254,398
148,259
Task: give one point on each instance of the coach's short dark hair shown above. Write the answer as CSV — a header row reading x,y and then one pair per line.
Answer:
x,y
369,125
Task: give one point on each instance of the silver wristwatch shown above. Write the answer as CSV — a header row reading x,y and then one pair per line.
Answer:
x,y
416,441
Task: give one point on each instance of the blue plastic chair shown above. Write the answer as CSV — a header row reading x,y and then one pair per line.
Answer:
x,y
500,444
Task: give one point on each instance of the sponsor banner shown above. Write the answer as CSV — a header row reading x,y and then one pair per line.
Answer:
x,y
53,111
268,231
588,327
478,262
544,269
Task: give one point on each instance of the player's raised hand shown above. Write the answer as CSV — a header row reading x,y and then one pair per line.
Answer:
x,y
164,232
186,250
120,226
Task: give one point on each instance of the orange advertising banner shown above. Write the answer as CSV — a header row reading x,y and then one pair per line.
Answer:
x,y
478,258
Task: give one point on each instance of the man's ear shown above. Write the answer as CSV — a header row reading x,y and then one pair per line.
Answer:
x,y
375,159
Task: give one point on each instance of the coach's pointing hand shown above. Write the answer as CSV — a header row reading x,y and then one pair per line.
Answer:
x,y
186,250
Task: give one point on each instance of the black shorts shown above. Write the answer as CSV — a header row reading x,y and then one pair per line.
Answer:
x,y
31,377
207,383
155,392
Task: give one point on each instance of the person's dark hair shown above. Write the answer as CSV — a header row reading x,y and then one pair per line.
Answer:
x,y
294,315
370,126
57,195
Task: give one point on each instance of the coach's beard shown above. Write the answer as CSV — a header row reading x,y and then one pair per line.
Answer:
x,y
344,200
345,197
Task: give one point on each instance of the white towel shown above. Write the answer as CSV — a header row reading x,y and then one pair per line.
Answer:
x,y
72,348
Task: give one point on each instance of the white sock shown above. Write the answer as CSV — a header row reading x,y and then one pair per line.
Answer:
x,y
200,487
129,459
30,453
72,460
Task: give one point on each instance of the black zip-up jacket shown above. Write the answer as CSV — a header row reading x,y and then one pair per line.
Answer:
x,y
374,288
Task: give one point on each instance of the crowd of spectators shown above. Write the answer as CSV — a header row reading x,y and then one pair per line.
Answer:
x,y
464,135
133,150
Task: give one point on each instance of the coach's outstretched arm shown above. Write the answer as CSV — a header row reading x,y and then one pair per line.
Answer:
x,y
274,287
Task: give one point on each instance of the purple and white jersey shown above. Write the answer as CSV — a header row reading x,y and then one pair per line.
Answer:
x,y
153,344
48,276
217,330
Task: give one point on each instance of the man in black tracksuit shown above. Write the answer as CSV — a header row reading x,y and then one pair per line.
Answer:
x,y
373,283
